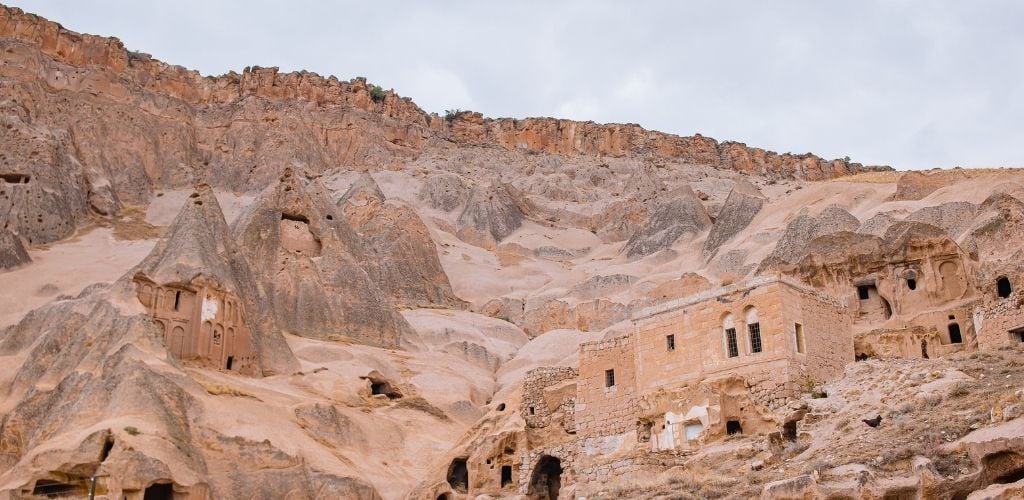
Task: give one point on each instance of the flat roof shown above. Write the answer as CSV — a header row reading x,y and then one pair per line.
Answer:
x,y
756,282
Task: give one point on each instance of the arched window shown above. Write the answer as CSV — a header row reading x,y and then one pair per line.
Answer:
x,y
753,329
1003,287
732,347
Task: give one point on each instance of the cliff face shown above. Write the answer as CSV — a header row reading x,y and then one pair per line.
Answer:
x,y
237,131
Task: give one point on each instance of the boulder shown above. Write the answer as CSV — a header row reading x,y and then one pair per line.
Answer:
x,y
12,251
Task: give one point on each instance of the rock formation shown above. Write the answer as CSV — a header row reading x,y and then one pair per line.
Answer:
x,y
307,260
491,213
400,256
672,216
742,205
227,318
521,311
12,251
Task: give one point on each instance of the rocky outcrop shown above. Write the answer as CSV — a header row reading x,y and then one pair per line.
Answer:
x,y
400,254
444,191
673,215
742,205
916,185
954,217
199,247
572,138
307,261
878,224
792,246
490,215
12,251
998,228
595,315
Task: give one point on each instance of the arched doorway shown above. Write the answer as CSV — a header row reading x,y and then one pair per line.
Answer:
x,y
547,478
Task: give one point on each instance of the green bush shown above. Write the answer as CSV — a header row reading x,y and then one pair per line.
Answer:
x,y
451,114
377,93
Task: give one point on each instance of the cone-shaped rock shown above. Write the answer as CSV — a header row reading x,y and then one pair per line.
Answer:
x,y
401,257
742,205
673,215
307,261
201,290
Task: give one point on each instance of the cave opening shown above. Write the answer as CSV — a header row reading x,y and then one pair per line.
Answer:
x,y
458,475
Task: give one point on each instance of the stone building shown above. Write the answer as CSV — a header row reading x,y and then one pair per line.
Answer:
x,y
725,361
910,294
1000,319
692,371
203,324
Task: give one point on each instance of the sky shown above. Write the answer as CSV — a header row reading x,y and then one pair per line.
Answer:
x,y
910,84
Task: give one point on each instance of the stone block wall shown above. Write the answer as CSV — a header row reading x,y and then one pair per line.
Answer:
x,y
538,406
1000,322
603,410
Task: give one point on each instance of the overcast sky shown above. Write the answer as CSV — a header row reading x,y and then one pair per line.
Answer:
x,y
912,84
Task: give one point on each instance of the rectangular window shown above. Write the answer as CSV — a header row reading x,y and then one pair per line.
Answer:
x,y
799,338
863,292
609,378
670,342
755,337
731,344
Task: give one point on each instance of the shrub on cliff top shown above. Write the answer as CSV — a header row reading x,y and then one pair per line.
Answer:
x,y
377,93
451,114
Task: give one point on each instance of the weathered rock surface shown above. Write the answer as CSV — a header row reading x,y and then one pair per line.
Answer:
x,y
199,244
400,255
444,191
918,185
307,261
740,208
792,246
491,214
673,215
12,251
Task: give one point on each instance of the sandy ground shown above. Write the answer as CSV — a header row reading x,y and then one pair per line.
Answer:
x,y
65,268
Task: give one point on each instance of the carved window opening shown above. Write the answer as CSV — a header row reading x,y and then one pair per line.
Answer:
x,y
954,333
609,378
50,489
1017,334
177,300
159,491
670,342
800,347
733,427
230,361
16,178
532,410
458,475
506,476
1003,287
864,292
912,283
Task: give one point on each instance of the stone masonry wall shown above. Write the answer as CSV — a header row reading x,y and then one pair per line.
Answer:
x,y
997,318
535,409
602,410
